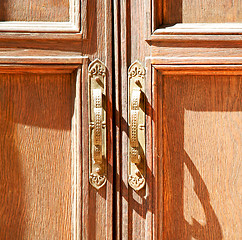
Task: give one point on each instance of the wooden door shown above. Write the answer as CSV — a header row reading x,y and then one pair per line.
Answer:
x,y
191,52
45,50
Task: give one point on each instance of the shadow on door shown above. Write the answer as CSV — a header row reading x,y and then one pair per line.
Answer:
x,y
201,157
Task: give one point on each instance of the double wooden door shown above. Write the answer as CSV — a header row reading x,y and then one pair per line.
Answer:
x,y
120,119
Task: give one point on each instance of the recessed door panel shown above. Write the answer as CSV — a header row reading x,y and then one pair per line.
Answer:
x,y
29,10
200,11
202,144
36,156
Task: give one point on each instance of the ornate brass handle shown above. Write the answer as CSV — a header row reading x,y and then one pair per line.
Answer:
x,y
97,126
137,166
134,122
97,119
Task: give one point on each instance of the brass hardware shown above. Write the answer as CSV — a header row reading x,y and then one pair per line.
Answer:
x,y
137,166
97,124
134,118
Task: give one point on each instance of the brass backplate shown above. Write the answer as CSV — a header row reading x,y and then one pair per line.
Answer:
x,y
136,166
97,74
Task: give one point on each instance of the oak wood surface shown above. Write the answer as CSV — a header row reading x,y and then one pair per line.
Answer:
x,y
89,213
201,156
137,215
209,11
41,10
36,174
198,11
186,50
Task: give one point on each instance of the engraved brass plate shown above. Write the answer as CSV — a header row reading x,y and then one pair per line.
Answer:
x,y
137,161
97,124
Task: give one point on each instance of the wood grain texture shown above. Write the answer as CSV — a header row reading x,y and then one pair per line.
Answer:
x,y
134,211
208,11
212,50
36,182
181,18
97,205
45,16
63,52
41,10
202,154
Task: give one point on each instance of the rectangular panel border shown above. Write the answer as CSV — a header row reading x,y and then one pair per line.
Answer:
x,y
72,26
76,28
156,69
181,31
77,74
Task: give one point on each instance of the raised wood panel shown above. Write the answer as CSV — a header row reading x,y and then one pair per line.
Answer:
x,y
36,199
43,16
62,48
200,143
35,10
211,11
185,17
200,11
45,188
207,50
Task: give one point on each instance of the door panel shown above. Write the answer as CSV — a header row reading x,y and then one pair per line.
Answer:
x,y
44,60
36,156
25,10
201,156
198,11
193,119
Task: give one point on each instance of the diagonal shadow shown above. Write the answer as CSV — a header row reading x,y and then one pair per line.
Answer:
x,y
212,229
197,93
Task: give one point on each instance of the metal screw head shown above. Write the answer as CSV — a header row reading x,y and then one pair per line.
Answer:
x,y
98,170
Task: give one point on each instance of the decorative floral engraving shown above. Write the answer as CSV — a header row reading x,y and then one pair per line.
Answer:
x,y
136,70
137,164
136,182
97,68
97,180
97,134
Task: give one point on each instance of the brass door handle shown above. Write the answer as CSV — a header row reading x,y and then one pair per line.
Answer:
x,y
134,123
137,161
97,124
97,127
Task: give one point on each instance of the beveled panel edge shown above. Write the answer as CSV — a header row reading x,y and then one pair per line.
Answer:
x,y
33,27
41,64
156,69
209,61
77,76
197,69
75,29
199,32
184,32
29,56
76,142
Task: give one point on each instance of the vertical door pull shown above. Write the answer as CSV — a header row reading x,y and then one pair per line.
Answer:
x,y
97,124
134,123
137,161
